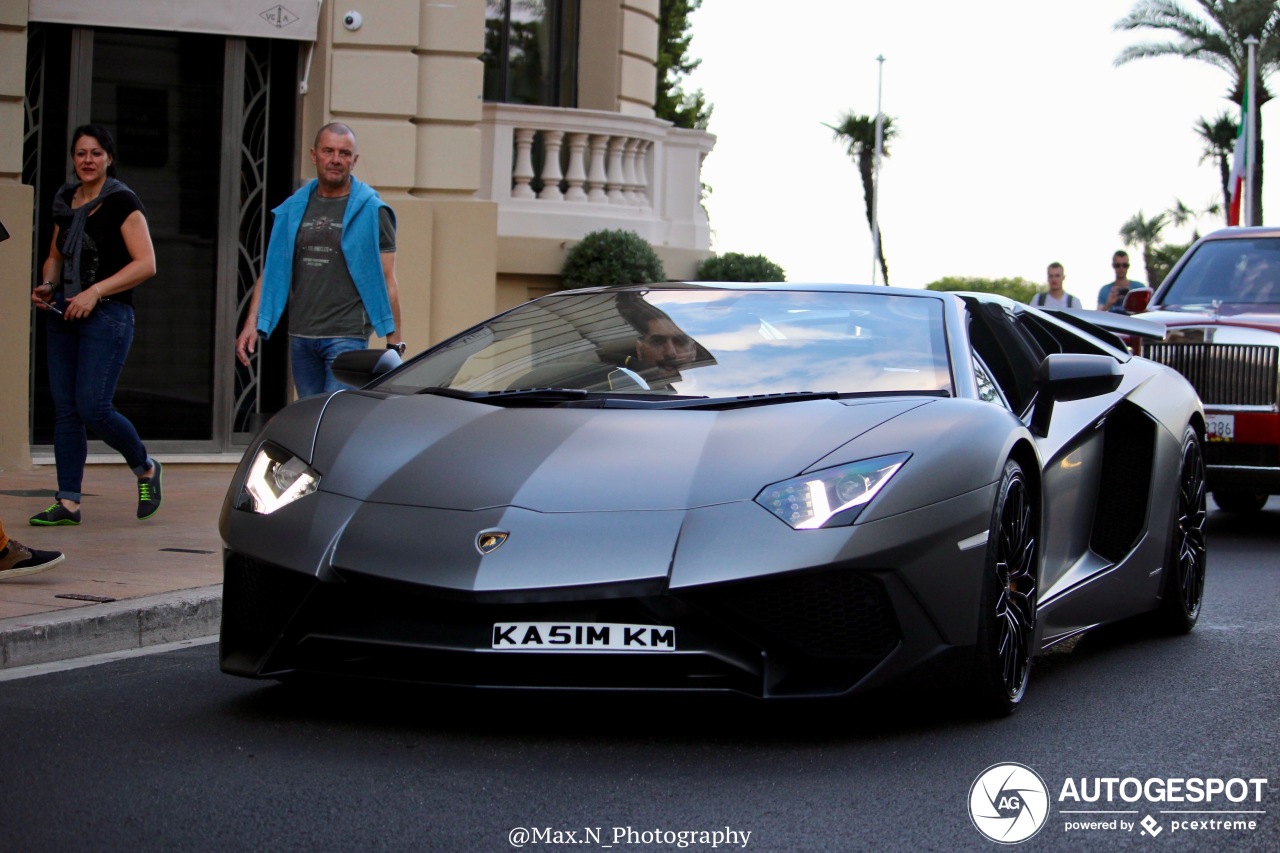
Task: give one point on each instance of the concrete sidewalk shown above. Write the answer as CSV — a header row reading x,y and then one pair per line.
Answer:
x,y
125,583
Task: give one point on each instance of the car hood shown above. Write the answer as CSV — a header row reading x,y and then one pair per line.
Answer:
x,y
444,453
1247,316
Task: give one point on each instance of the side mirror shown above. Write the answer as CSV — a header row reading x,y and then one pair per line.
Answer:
x,y
360,367
1071,376
1136,301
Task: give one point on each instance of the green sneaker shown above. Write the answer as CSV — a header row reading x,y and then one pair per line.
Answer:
x,y
149,493
55,514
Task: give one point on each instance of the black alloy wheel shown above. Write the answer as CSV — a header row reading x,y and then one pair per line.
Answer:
x,y
1239,502
1185,563
1007,620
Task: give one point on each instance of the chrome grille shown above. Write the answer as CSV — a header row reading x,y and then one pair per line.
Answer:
x,y
1223,374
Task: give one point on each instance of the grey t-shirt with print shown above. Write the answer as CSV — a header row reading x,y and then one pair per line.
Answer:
x,y
323,300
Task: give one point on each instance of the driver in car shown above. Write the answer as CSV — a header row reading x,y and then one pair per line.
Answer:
x,y
662,347
1258,284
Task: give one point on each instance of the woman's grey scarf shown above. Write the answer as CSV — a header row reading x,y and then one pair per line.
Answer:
x,y
74,240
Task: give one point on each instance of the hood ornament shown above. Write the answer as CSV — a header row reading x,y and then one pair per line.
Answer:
x,y
488,541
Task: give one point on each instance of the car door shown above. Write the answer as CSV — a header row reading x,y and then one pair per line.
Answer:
x,y
1071,452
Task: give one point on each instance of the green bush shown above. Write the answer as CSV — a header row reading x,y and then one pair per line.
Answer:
x,y
1017,289
734,266
611,257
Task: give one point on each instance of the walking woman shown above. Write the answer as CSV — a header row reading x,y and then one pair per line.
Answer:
x,y
101,250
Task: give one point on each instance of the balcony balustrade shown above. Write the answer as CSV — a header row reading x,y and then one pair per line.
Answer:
x,y
562,173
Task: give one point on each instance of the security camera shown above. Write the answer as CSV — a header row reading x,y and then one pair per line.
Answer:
x,y
352,20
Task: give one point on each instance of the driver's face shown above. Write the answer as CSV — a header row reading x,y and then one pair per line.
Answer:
x,y
1258,270
665,347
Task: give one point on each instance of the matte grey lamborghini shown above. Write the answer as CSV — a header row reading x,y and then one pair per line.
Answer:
x,y
781,490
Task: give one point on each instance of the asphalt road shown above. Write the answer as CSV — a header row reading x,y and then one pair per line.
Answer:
x,y
165,753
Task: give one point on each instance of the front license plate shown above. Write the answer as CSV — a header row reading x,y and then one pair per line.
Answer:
x,y
1220,427
582,637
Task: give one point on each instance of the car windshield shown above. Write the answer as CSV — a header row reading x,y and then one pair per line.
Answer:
x,y
1227,272
698,342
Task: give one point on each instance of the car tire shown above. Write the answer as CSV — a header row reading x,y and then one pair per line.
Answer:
x,y
1186,559
1243,503
1007,612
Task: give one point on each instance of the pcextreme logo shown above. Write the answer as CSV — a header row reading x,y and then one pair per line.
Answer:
x,y
1008,803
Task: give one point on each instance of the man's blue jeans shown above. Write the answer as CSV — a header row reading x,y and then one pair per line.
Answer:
x,y
312,358
85,360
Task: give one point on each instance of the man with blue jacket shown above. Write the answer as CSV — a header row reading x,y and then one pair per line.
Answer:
x,y
331,258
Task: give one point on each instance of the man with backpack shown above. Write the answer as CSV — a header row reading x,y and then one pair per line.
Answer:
x,y
1055,296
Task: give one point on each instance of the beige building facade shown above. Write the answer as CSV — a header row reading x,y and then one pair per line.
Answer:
x,y
214,107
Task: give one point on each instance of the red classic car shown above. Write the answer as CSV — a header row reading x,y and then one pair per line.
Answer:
x,y
1221,305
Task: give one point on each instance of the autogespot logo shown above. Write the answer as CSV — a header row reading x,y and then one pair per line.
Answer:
x,y
1008,803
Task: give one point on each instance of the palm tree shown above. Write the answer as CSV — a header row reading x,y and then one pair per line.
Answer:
x,y
1217,37
1140,231
1180,214
859,134
1219,138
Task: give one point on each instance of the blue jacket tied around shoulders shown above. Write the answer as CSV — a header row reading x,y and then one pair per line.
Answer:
x,y
360,234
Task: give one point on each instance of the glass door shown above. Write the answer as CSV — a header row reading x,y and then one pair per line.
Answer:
x,y
156,92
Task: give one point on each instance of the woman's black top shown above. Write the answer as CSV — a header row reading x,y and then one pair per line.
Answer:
x,y
104,253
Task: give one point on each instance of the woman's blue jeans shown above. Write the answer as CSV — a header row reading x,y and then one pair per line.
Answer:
x,y
311,360
85,360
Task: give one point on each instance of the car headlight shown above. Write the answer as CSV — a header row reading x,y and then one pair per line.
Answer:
x,y
833,497
276,478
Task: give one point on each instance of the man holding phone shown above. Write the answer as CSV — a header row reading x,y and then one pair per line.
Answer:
x,y
1111,296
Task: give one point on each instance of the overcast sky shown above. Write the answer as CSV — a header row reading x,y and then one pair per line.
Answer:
x,y
1019,142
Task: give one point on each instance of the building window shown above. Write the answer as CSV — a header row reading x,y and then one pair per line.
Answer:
x,y
531,52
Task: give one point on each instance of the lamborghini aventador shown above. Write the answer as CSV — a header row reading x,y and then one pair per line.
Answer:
x,y
779,490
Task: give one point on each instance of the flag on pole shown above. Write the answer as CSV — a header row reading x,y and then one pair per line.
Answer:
x,y
1238,161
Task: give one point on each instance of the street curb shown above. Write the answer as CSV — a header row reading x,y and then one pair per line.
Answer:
x,y
132,623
